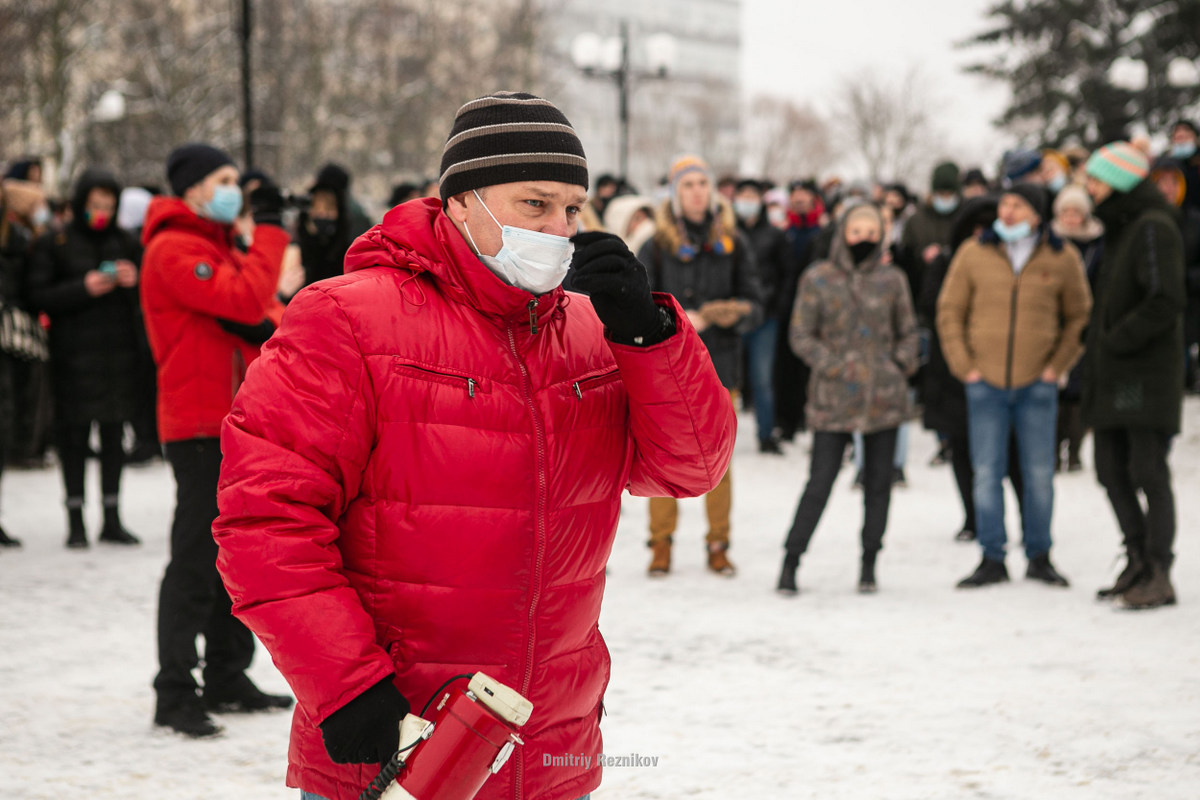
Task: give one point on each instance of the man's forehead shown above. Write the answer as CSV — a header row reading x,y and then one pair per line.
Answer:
x,y
546,190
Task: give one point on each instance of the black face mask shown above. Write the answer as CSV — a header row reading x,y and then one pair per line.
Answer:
x,y
324,229
862,250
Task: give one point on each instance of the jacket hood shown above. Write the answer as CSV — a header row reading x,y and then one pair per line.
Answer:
x,y
172,213
94,179
418,237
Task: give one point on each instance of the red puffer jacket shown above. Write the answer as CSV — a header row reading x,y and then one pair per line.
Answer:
x,y
422,478
191,276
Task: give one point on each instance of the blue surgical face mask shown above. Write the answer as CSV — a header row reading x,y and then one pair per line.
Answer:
x,y
1057,183
41,217
1183,150
944,205
534,261
225,204
1012,233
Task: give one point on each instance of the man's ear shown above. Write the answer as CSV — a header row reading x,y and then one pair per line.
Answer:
x,y
456,207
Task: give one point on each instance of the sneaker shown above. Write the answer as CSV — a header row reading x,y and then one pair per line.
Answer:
x,y
719,562
117,535
987,572
244,698
1040,569
660,558
188,718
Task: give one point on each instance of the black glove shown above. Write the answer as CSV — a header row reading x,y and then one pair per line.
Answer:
x,y
254,334
266,205
616,281
367,729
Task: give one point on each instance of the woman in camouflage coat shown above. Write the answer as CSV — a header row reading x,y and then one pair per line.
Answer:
x,y
853,325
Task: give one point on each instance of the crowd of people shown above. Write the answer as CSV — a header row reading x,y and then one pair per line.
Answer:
x,y
434,377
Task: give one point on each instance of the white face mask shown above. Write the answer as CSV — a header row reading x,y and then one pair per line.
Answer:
x,y
530,260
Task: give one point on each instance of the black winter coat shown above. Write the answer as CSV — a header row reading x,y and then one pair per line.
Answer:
x,y
710,275
1133,366
93,340
777,270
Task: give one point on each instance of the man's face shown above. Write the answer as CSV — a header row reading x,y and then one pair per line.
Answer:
x,y
543,206
324,205
100,203
1098,190
802,201
198,195
1182,134
695,195
1168,182
1014,210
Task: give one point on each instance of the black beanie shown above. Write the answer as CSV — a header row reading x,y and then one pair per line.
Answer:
x,y
945,177
191,163
1033,194
508,137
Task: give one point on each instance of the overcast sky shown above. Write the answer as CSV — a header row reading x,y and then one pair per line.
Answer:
x,y
803,48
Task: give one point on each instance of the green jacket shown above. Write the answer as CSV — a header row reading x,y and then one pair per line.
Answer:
x,y
1133,365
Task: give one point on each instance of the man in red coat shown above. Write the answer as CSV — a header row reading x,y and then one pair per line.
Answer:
x,y
203,300
423,472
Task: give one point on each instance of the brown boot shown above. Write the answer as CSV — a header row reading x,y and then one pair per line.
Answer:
x,y
718,561
660,558
1153,591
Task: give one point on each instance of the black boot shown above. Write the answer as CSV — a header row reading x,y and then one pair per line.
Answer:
x,y
1040,569
1129,577
987,572
243,697
186,716
866,577
8,541
113,531
787,576
76,534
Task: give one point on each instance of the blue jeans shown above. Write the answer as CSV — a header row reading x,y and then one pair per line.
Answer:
x,y
760,352
1031,413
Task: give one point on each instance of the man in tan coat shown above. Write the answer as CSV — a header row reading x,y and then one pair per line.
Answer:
x,y
1010,317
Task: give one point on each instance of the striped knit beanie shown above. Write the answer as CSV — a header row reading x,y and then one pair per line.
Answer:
x,y
508,137
1119,164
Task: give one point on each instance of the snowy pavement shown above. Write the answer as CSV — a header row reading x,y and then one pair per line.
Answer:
x,y
921,691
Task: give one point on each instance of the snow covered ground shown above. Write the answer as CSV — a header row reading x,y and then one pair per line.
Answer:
x,y
921,691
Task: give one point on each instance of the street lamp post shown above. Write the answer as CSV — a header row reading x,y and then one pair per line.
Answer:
x,y
610,58
247,105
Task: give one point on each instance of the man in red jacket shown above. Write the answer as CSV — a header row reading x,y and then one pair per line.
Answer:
x,y
202,301
423,472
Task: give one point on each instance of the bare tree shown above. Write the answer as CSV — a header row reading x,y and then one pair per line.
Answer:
x,y
887,125
783,139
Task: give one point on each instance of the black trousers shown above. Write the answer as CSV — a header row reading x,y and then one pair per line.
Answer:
x,y
73,452
192,600
1129,460
828,450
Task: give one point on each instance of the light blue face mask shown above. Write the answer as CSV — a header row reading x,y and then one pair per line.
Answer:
x,y
1183,150
944,205
225,204
747,209
1057,183
1012,233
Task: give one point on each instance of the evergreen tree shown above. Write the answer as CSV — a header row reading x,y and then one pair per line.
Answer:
x,y
1056,56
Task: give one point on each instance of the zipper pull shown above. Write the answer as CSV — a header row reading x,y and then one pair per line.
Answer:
x,y
471,387
578,391
533,328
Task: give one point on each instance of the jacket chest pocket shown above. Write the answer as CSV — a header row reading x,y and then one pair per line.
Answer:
x,y
470,385
584,386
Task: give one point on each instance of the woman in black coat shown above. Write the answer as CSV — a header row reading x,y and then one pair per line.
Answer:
x,y
85,279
